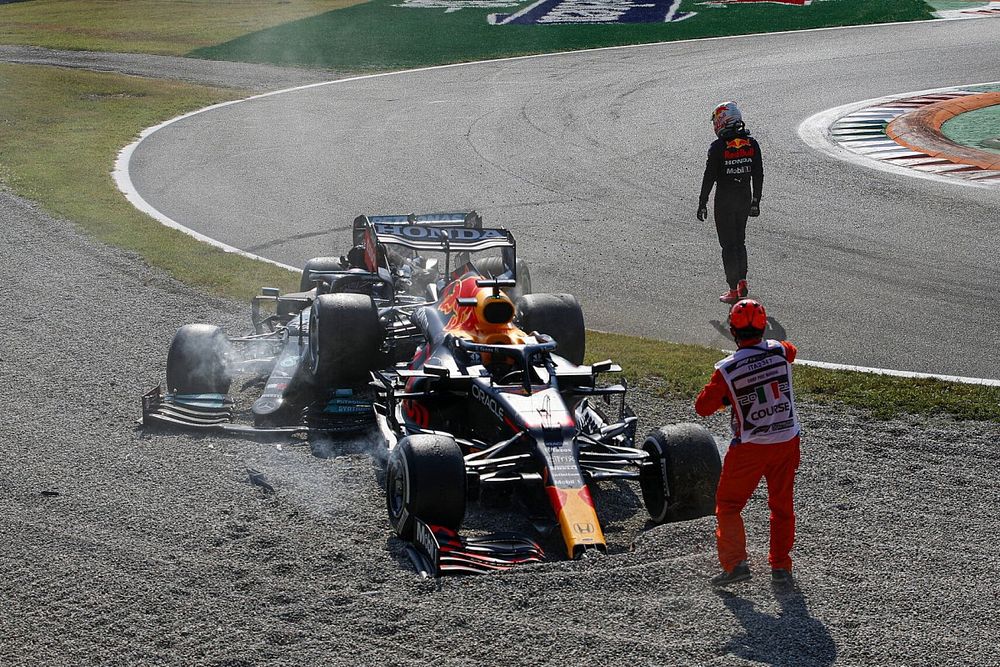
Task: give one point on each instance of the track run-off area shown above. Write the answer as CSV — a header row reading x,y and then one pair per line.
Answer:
x,y
594,159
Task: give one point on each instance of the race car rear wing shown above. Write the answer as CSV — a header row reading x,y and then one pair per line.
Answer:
x,y
450,233
445,239
470,220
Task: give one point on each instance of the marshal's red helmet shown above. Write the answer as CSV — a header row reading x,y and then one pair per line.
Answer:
x,y
747,316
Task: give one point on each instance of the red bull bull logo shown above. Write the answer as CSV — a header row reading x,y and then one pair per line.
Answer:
x,y
460,319
738,151
487,318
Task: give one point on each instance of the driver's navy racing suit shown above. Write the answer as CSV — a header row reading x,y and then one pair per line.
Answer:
x,y
735,167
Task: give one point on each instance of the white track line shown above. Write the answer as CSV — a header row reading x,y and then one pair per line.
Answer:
x,y
124,182
901,374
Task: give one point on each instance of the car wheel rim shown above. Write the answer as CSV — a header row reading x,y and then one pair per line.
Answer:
x,y
654,485
314,341
397,491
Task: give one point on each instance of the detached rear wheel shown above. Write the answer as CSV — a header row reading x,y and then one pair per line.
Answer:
x,y
197,362
680,480
425,478
344,339
492,267
559,316
317,264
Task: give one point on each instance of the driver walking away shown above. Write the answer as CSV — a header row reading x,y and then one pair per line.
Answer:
x,y
756,381
735,168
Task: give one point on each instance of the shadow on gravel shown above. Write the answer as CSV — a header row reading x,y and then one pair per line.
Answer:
x,y
793,637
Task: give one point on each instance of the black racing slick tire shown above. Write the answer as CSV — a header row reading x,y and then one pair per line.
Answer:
x,y
345,338
680,479
317,264
559,316
491,267
425,478
197,361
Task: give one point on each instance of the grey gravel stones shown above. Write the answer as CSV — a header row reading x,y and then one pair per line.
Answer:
x,y
158,550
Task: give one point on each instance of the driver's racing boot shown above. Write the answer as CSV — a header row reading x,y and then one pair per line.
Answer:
x,y
743,289
730,297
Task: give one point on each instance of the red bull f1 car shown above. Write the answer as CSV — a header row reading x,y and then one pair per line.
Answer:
x,y
428,331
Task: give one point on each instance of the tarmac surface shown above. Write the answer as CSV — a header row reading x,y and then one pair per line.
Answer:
x,y
594,160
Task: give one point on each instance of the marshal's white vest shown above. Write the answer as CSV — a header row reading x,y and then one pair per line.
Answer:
x,y
760,379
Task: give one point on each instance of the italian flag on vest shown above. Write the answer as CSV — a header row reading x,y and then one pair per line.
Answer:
x,y
762,395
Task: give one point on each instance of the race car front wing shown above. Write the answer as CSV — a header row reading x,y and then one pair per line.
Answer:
x,y
437,551
339,413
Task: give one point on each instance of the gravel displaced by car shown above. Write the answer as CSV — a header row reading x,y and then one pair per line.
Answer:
x,y
124,546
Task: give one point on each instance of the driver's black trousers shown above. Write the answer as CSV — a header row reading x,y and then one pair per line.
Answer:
x,y
732,207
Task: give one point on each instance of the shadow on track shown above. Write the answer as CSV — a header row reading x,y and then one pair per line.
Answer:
x,y
774,329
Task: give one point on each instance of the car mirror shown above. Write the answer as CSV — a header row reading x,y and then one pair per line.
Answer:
x,y
496,282
435,369
602,366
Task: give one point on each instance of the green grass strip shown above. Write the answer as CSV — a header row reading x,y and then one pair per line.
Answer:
x,y
63,130
168,27
891,396
684,369
973,128
383,35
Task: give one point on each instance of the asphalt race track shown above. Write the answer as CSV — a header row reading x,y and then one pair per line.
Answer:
x,y
594,160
